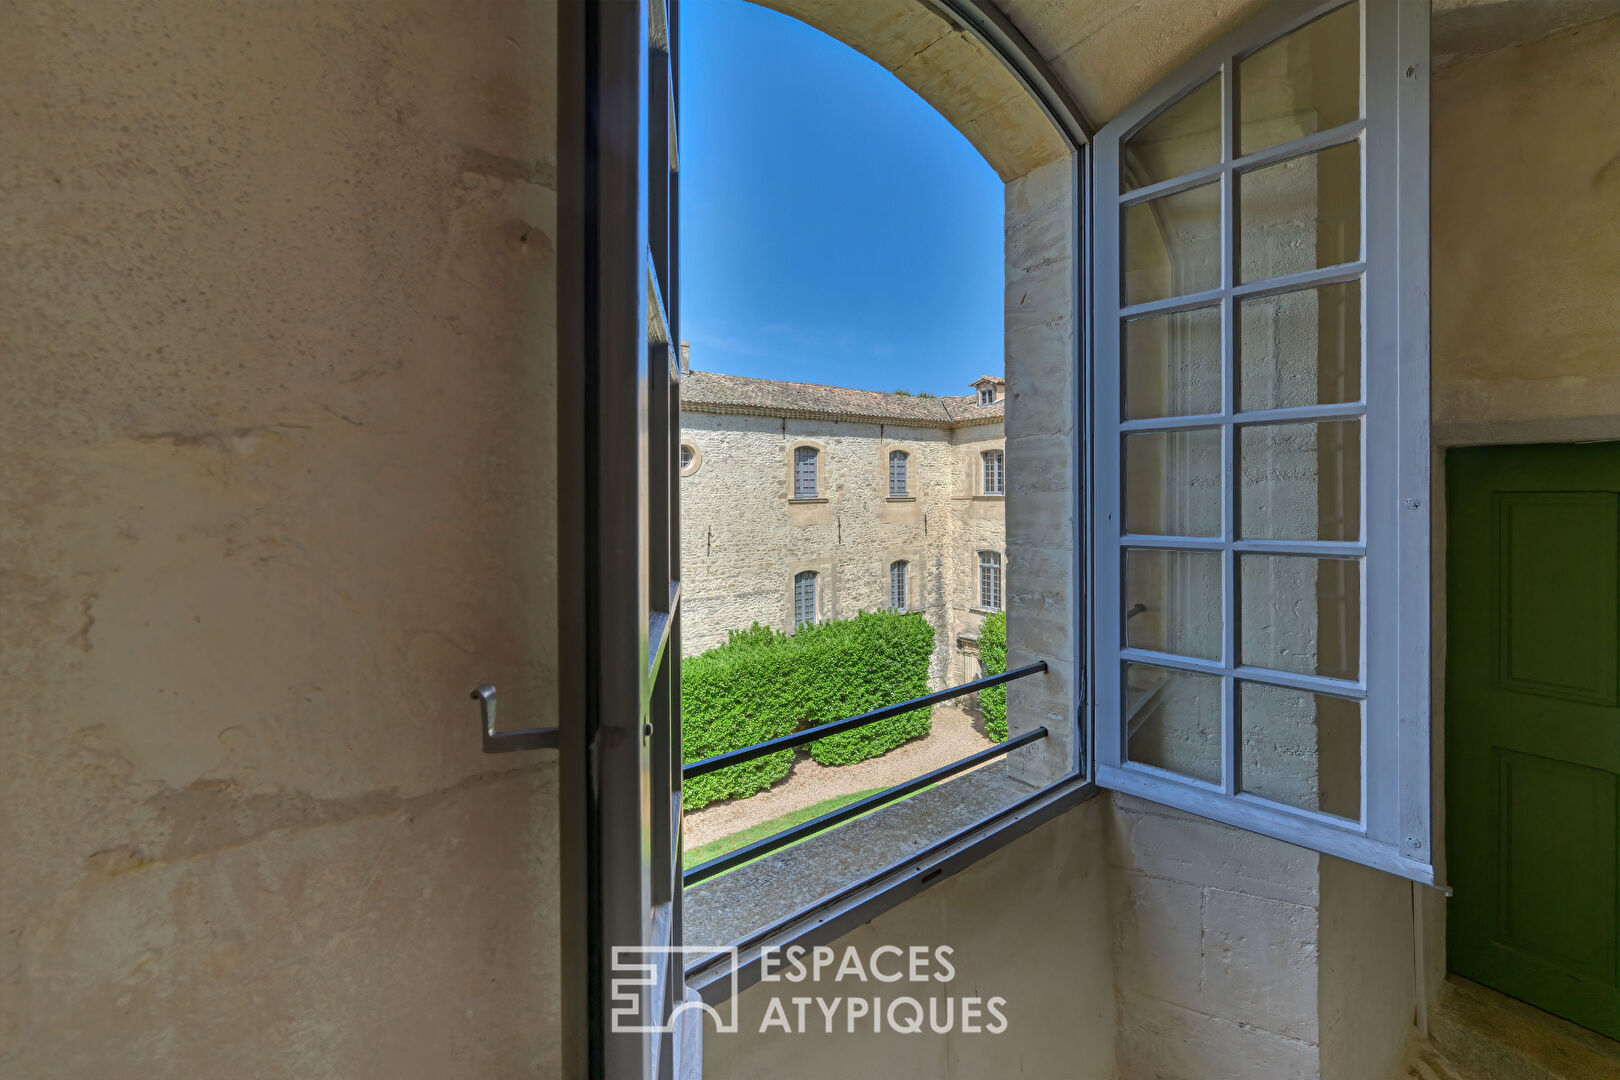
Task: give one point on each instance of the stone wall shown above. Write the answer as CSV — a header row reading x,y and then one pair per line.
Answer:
x,y
744,538
275,424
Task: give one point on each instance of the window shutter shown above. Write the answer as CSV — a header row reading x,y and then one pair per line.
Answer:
x,y
1261,444
622,986
804,598
897,586
804,472
897,474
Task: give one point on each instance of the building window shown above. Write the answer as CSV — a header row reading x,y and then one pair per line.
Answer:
x,y
804,598
805,485
990,580
987,394
995,473
1260,613
897,585
897,473
686,457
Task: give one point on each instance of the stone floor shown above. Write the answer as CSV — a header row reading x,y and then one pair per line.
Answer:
x,y
1477,1034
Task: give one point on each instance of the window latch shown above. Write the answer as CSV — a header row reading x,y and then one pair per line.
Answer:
x,y
503,742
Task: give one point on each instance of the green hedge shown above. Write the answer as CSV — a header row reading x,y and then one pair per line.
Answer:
x,y
763,683
993,658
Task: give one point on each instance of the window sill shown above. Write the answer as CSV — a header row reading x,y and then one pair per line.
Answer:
x,y
976,610
801,502
901,498
991,495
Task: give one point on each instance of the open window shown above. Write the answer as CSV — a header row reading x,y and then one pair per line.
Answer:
x,y
1260,426
1254,643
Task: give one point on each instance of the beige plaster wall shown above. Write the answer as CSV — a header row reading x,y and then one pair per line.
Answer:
x,y
1525,347
274,425
1028,924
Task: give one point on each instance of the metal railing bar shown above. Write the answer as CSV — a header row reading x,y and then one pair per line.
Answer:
x,y
750,852
798,738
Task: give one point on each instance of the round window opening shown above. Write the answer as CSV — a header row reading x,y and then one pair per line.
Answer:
x,y
690,459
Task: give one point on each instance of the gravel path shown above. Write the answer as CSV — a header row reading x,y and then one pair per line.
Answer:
x,y
955,735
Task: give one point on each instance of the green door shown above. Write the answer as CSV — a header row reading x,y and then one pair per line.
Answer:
x,y
1533,724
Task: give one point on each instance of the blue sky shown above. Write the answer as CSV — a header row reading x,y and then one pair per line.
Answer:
x,y
834,227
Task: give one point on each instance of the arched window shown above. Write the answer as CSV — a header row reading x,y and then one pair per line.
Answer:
x,y
897,474
990,580
897,585
805,483
995,473
804,597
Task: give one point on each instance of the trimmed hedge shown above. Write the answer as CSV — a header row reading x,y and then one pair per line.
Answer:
x,y
762,684
993,658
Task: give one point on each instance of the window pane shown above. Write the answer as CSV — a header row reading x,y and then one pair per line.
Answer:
x,y
1300,614
1300,214
1305,82
1173,482
1173,245
1173,364
1173,602
1300,481
1181,139
1302,749
1173,720
1300,348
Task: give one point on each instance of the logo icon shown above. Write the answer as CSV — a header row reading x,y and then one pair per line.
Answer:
x,y
639,988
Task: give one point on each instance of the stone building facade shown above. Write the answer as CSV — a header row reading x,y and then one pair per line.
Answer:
x,y
873,494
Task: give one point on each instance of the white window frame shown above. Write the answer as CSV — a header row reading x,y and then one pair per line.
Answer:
x,y
801,602
991,580
899,470
993,472
987,395
1395,833
803,456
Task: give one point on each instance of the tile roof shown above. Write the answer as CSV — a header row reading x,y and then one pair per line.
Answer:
x,y
709,391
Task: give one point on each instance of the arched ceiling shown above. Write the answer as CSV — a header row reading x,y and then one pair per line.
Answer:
x,y
1106,52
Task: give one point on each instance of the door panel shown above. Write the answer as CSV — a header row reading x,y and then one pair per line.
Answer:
x,y
1533,725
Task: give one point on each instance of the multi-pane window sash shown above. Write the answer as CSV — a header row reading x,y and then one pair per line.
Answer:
x,y
987,396
990,580
804,598
686,457
897,474
804,473
995,476
1260,441
897,585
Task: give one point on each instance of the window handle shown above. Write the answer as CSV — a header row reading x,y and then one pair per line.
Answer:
x,y
539,738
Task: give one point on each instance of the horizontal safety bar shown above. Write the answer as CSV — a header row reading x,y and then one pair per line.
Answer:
x,y
732,859
809,735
